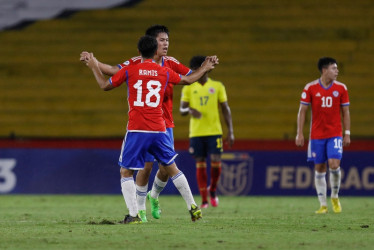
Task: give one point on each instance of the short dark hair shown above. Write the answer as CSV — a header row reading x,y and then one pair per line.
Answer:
x,y
196,62
324,62
154,30
147,46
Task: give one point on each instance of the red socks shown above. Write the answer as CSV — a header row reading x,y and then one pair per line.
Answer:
x,y
202,179
215,172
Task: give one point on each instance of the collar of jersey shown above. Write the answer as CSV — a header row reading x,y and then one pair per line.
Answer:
x,y
149,61
320,83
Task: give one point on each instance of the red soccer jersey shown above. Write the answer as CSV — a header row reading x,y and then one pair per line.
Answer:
x,y
146,84
167,104
326,104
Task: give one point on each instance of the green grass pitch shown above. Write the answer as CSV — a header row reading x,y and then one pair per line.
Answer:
x,y
90,222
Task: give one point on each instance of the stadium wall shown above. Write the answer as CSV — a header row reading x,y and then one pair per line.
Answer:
x,y
252,167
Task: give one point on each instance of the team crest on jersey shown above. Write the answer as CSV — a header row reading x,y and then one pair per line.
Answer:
x,y
303,95
212,90
335,93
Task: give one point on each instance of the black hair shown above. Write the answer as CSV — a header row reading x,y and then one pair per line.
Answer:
x,y
196,62
154,30
324,62
147,46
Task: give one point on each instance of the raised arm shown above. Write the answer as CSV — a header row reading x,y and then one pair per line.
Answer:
x,y
106,69
228,120
92,63
299,141
208,65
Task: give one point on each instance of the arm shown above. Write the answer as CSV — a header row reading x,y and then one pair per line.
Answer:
x,y
346,125
92,63
185,110
228,120
208,65
106,69
299,141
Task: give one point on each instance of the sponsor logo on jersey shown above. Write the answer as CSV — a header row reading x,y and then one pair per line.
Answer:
x,y
318,94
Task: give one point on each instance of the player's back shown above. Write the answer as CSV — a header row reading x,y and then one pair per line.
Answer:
x,y
175,65
146,88
146,83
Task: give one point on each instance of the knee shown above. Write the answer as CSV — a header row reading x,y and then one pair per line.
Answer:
x,y
125,173
320,168
162,174
334,164
215,158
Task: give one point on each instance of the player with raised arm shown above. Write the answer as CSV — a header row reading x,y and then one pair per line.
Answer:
x,y
202,99
161,33
146,129
328,99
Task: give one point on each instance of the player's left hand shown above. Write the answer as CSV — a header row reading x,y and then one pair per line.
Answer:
x,y
214,59
230,139
346,140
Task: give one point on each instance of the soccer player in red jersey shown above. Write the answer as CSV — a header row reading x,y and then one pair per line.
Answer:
x,y
161,33
328,99
146,129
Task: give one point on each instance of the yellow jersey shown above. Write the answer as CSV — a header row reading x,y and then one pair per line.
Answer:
x,y
205,98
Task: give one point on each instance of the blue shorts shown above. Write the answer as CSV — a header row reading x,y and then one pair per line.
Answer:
x,y
136,145
320,150
202,146
169,131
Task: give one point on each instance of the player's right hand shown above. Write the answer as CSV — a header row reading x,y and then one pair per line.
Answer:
x,y
195,113
299,141
91,61
84,55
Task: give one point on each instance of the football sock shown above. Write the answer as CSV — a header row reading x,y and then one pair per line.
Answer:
x,y
141,194
157,187
321,187
129,194
335,179
181,184
202,179
215,172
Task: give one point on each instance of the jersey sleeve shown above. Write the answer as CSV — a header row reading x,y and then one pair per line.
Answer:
x,y
173,77
345,98
178,67
185,94
222,96
131,61
305,96
119,78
